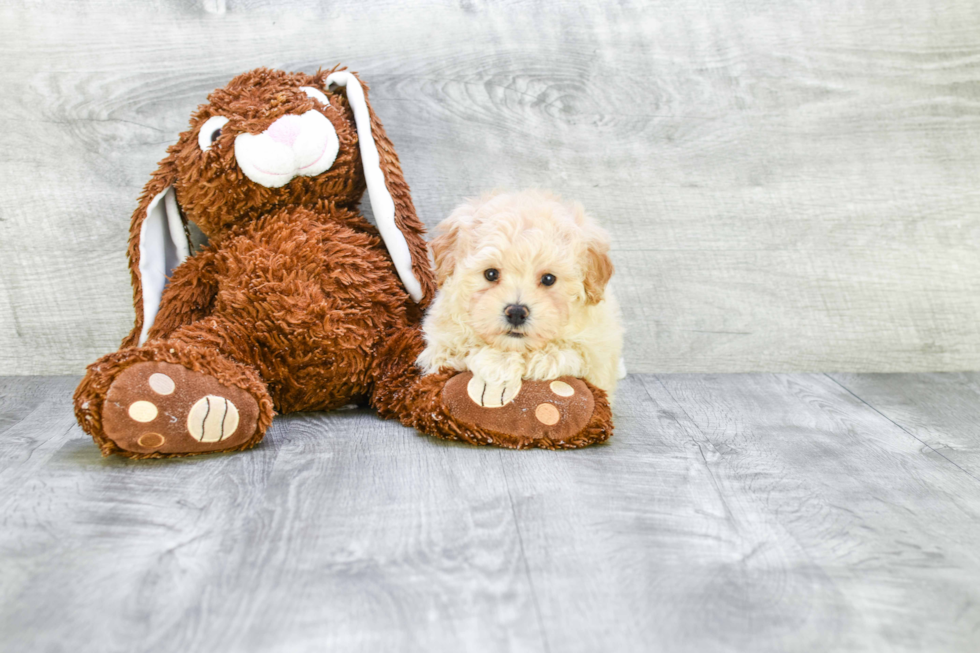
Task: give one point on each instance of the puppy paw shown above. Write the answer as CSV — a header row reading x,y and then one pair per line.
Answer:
x,y
163,408
547,414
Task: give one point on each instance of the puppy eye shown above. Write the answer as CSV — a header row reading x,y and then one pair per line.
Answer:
x,y
491,274
548,279
210,131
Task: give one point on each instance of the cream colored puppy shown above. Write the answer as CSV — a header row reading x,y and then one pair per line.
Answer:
x,y
523,295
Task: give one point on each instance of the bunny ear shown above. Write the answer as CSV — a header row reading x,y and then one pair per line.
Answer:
x,y
158,243
394,213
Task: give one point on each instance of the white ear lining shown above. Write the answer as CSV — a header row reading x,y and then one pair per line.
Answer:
x,y
163,246
382,204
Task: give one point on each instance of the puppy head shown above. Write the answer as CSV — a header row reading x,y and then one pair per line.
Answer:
x,y
516,268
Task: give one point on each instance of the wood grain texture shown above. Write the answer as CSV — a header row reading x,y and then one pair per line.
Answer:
x,y
939,410
314,541
729,513
789,186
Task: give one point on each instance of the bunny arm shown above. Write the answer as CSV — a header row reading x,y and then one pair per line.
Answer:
x,y
188,297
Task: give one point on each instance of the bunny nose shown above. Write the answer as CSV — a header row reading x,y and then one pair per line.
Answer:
x,y
292,146
285,130
516,314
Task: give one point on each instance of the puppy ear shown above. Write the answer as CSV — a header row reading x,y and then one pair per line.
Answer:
x,y
443,249
451,243
158,243
394,213
598,270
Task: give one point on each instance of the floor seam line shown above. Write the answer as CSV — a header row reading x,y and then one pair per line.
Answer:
x,y
520,542
707,466
902,428
679,405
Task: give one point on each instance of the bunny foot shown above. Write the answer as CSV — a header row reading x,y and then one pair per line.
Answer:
x,y
169,398
155,407
566,413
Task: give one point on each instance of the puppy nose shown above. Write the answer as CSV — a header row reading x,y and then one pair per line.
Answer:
x,y
516,314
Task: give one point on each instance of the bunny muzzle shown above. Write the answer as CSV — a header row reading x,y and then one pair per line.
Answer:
x,y
294,145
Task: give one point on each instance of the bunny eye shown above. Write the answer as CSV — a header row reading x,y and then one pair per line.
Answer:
x,y
314,93
210,131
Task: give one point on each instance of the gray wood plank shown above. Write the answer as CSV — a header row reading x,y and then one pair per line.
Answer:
x,y
35,418
750,513
853,524
789,186
940,410
729,513
339,532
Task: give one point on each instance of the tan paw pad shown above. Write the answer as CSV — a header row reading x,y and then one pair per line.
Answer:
x,y
562,389
547,414
161,384
142,411
212,419
151,440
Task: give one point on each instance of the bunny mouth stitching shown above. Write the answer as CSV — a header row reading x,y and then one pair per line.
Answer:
x,y
308,165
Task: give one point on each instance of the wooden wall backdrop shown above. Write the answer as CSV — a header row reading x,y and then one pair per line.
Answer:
x,y
790,185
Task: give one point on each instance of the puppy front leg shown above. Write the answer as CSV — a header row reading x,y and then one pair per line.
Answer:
x,y
496,376
436,357
552,362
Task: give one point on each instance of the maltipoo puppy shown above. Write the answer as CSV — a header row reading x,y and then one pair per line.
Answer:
x,y
523,294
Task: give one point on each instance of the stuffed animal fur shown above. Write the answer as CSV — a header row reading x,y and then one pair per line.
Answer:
x,y
295,302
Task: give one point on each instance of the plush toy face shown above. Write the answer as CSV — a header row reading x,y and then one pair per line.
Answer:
x,y
268,138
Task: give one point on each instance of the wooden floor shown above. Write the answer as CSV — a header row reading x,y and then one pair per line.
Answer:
x,y
800,512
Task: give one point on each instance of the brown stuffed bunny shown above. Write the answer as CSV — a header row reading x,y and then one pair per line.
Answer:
x,y
296,302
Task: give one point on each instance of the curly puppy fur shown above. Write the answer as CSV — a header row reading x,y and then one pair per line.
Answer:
x,y
548,259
